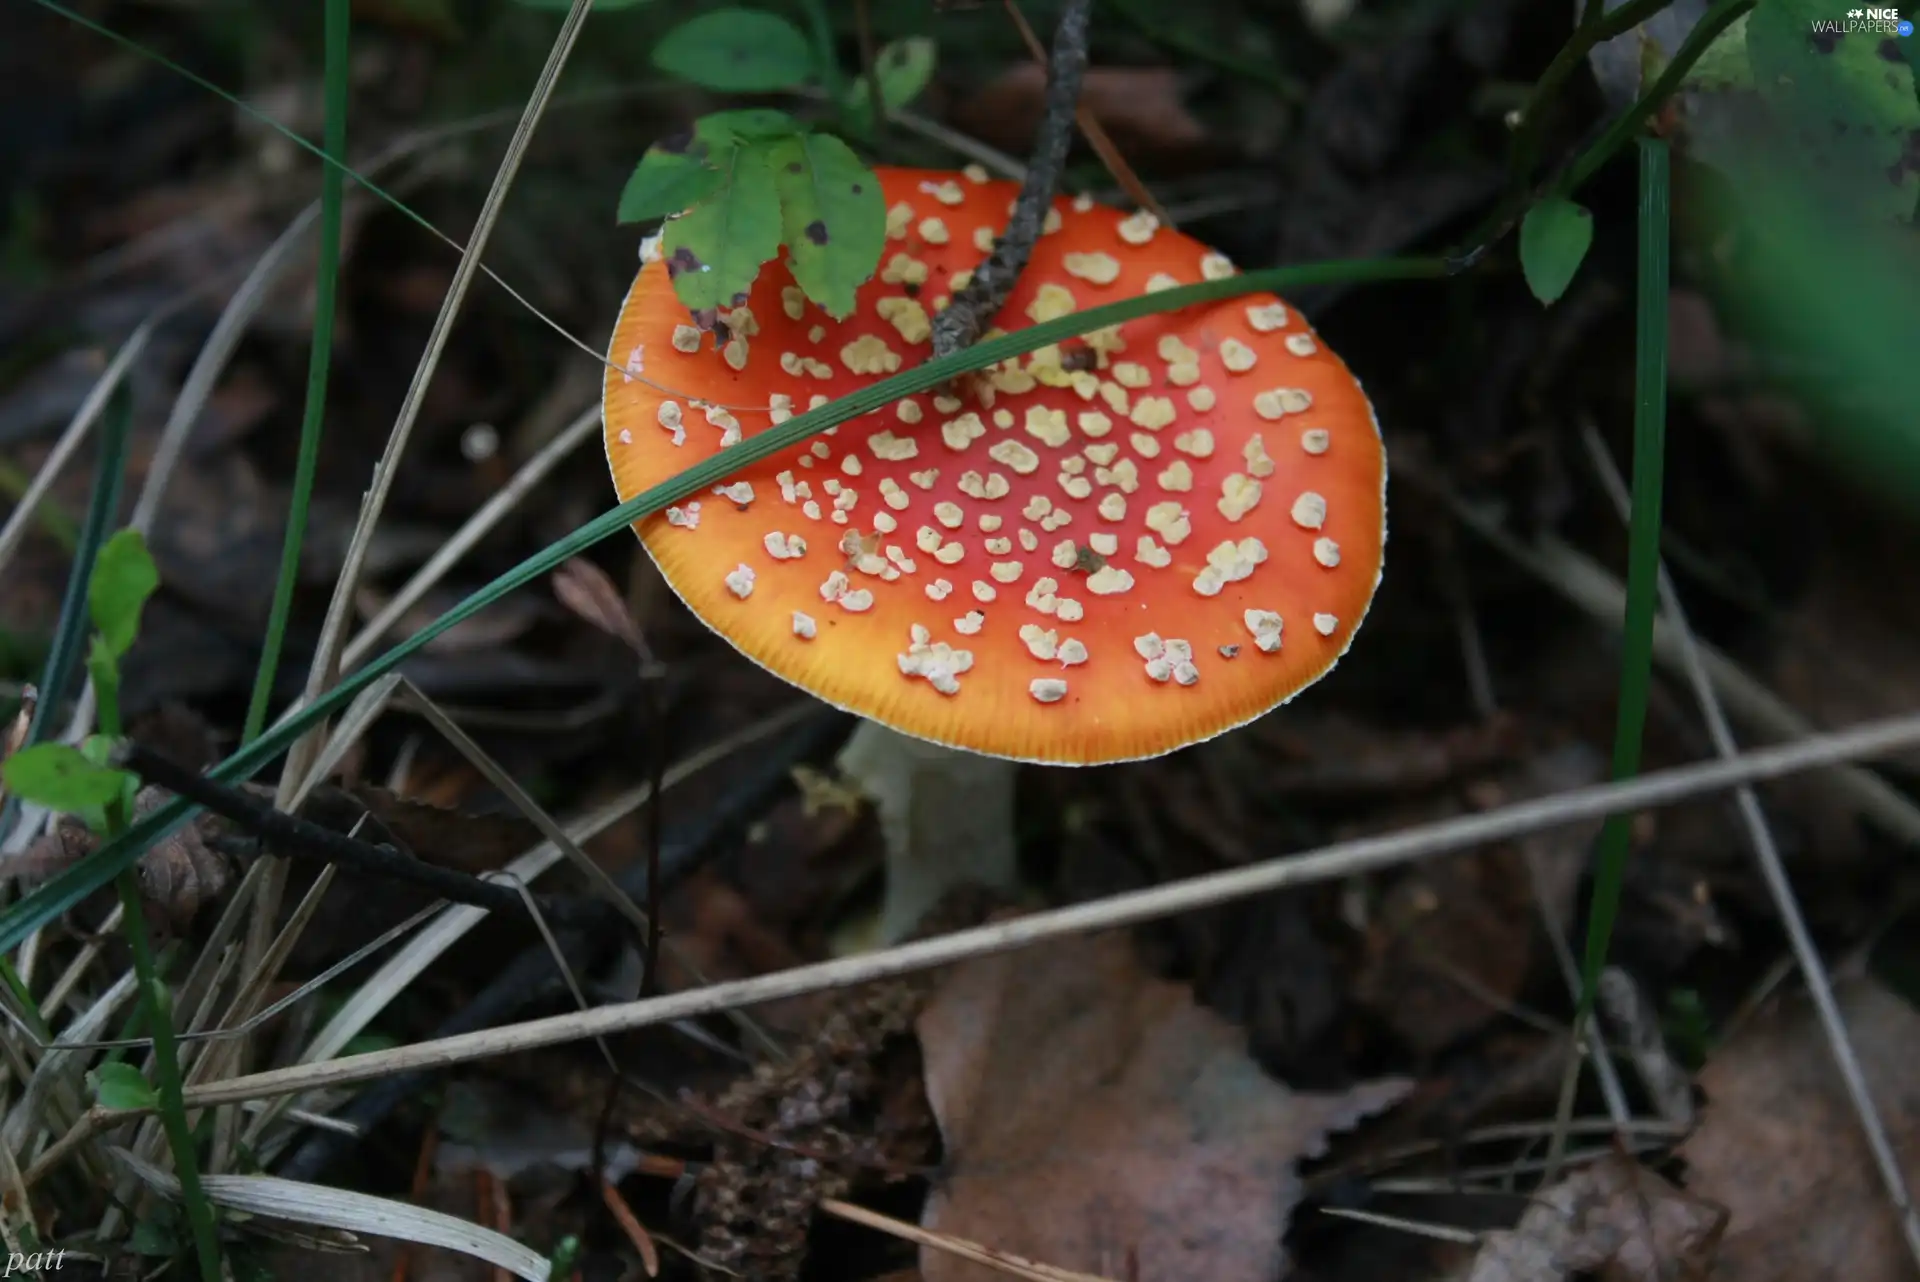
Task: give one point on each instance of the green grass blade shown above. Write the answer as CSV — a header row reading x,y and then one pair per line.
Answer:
x,y
170,1087
326,288
70,633
1643,552
69,887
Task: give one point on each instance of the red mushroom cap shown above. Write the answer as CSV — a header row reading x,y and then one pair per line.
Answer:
x,y
1103,551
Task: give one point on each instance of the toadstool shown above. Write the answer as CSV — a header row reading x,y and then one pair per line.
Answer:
x,y
1103,551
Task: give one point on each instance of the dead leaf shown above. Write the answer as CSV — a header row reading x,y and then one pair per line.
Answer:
x,y
1780,1147
1097,1119
1140,108
1451,943
179,876
1615,1220
589,592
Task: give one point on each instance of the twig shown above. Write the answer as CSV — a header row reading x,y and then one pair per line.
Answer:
x,y
1591,589
955,329
991,1257
290,835
1639,1026
1091,129
1419,1228
530,976
325,667
1342,859
1773,871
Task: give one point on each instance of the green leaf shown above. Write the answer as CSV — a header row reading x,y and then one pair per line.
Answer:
x,y
119,1084
666,182
737,51
1843,103
58,777
1554,237
902,68
832,218
714,251
152,1238
680,171
123,578
749,124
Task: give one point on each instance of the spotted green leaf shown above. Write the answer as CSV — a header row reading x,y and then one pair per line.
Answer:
x,y
832,218
59,777
123,578
683,169
1843,101
714,251
1554,238
737,51
666,182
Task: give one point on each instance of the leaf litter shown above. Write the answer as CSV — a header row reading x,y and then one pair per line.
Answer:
x,y
129,191
1096,1118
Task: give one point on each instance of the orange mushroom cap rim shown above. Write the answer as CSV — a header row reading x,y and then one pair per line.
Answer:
x,y
1103,551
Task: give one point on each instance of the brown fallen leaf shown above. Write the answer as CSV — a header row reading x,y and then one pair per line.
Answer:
x,y
1140,108
589,592
1615,1220
1097,1119
1780,1147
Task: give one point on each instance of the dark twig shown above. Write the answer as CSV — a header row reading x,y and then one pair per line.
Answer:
x,y
956,328
1091,129
289,835
533,978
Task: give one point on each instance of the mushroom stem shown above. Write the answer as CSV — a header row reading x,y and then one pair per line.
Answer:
x,y
946,815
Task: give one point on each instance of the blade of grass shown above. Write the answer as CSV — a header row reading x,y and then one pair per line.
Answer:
x,y
1643,587
70,886
333,633
166,1070
326,286
70,632
1643,552
71,629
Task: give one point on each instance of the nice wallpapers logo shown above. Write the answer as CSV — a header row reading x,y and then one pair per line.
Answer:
x,y
1866,22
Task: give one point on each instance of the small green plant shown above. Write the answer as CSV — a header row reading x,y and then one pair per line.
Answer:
x,y
740,184
79,781
118,1084
83,782
1554,237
